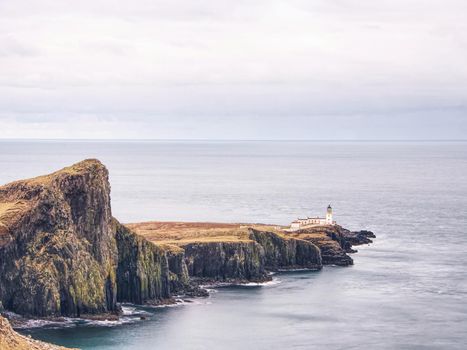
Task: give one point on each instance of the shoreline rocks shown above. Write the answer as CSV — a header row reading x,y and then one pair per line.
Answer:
x,y
356,238
11,340
335,242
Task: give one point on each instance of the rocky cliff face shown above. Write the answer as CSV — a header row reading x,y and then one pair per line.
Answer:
x,y
225,261
249,260
58,255
178,271
334,242
62,253
10,340
283,253
355,238
143,270
147,272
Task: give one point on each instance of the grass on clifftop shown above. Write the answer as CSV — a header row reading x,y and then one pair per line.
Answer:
x,y
75,169
10,212
180,233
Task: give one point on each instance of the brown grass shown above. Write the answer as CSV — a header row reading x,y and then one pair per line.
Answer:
x,y
180,233
8,209
74,169
10,212
5,207
171,248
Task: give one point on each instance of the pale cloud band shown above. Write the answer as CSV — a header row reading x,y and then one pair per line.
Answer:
x,y
223,69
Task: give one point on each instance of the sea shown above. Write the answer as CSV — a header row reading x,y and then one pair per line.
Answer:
x,y
407,290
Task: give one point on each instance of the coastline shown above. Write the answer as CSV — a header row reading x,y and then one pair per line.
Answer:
x,y
68,260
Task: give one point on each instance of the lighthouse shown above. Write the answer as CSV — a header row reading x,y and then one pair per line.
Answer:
x,y
329,215
313,221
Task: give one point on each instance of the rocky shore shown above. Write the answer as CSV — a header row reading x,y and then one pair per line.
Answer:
x,y
10,340
335,242
63,254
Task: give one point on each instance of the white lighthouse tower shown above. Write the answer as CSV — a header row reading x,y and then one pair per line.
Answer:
x,y
329,215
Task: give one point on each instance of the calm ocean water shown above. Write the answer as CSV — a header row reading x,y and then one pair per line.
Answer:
x,y
406,291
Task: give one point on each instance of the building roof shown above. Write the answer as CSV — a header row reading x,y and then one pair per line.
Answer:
x,y
314,218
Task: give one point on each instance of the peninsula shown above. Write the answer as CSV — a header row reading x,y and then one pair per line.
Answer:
x,y
62,253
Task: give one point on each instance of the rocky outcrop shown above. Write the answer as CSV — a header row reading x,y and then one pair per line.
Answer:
x,y
10,340
332,252
58,254
284,253
334,242
178,271
355,238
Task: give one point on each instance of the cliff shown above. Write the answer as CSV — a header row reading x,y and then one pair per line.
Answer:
x,y
10,340
62,253
332,245
334,242
143,271
225,261
147,272
57,249
284,253
232,252
224,250
178,271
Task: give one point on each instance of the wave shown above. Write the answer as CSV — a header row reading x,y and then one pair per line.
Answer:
x,y
273,282
212,286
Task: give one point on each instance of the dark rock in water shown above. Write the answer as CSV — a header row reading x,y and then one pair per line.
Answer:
x,y
102,317
57,249
358,237
196,291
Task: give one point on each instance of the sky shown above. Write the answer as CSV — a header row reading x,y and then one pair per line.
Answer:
x,y
272,69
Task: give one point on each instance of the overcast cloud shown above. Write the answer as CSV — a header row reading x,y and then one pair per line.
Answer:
x,y
312,69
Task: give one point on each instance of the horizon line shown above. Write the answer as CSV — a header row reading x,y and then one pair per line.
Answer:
x,y
227,140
